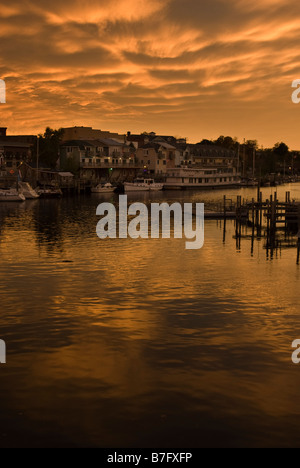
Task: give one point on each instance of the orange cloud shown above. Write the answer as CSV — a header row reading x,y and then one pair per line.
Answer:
x,y
198,68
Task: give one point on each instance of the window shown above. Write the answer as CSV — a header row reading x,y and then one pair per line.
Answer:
x,y
165,162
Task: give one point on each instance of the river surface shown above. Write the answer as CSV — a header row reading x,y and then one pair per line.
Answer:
x,y
142,343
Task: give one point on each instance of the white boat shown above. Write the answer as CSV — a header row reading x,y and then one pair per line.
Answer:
x,y
51,192
143,185
202,178
103,188
249,183
28,192
11,195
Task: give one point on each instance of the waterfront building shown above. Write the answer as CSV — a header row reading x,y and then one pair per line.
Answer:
x,y
15,149
99,158
88,133
156,157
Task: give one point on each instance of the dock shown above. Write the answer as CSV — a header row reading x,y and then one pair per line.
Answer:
x,y
277,222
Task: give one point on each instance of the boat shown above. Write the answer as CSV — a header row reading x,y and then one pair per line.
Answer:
x,y
143,185
28,192
249,183
11,195
50,192
103,188
202,178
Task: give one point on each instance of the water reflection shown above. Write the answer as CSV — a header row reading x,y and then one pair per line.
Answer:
x,y
142,343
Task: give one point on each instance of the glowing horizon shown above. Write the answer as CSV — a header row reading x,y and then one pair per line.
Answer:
x,y
195,69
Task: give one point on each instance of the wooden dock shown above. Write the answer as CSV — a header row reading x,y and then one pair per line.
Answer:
x,y
277,222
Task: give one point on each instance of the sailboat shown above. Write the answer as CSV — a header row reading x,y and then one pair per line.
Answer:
x,y
28,192
11,195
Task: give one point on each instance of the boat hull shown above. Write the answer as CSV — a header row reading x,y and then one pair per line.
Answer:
x,y
170,186
50,195
156,189
142,188
28,192
30,195
11,197
110,190
135,188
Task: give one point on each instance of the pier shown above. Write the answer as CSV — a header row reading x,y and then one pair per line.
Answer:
x,y
277,222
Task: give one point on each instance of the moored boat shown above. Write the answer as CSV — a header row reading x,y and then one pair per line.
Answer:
x,y
28,192
11,195
103,188
202,178
50,192
249,183
143,185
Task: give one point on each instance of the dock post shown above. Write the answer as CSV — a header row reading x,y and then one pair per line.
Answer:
x,y
261,208
298,235
253,211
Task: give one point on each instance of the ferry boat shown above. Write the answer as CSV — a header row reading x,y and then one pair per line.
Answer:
x,y
28,192
11,195
143,185
202,178
103,188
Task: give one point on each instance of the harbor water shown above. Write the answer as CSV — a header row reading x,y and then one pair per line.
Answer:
x,y
142,343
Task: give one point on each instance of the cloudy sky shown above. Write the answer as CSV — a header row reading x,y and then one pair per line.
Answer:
x,y
192,68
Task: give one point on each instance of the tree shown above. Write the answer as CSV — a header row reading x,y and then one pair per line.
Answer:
x,y
227,142
251,145
205,142
281,150
49,144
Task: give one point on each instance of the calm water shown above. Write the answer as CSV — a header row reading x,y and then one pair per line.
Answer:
x,y
141,343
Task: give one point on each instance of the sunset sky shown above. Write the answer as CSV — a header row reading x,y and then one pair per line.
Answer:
x,y
190,68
